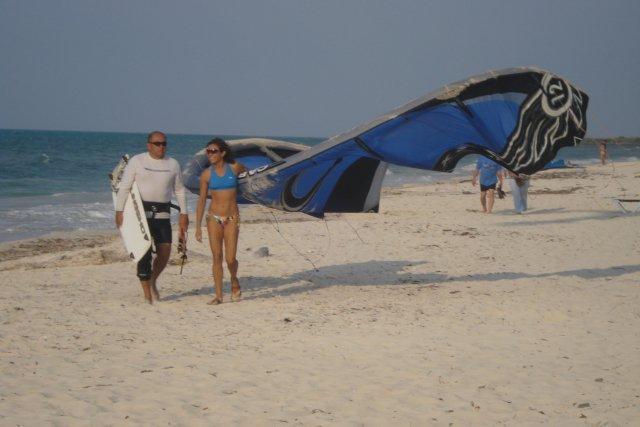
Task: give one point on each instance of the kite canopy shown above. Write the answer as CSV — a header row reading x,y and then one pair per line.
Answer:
x,y
518,117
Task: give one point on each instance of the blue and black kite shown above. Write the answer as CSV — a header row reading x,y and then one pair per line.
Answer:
x,y
518,117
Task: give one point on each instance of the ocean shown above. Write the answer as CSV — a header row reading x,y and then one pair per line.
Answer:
x,y
58,180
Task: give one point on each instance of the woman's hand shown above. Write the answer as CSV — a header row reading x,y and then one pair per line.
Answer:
x,y
199,234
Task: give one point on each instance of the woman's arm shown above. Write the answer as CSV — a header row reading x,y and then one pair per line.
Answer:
x,y
202,201
238,168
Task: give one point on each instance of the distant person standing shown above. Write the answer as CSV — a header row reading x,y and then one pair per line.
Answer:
x,y
602,147
489,173
158,177
519,185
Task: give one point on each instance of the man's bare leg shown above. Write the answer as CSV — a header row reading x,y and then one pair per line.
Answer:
x,y
146,289
483,200
163,251
490,200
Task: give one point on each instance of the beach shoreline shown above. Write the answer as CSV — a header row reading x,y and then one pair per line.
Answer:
x,y
429,312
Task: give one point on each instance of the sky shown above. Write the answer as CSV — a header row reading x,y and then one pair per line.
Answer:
x,y
296,67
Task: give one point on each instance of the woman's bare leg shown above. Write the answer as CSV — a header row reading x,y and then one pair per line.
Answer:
x,y
231,232
216,234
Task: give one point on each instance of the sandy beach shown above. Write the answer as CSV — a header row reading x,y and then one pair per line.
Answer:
x,y
427,313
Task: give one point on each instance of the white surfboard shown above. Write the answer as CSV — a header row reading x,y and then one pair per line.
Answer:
x,y
135,229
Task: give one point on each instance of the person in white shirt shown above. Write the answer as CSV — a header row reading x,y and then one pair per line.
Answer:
x,y
158,177
519,185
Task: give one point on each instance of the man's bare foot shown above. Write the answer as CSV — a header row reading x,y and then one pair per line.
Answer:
x,y
215,301
236,291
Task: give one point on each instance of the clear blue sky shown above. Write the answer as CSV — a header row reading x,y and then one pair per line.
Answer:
x,y
294,67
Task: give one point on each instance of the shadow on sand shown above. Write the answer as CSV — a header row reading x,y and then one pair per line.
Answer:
x,y
375,273
592,216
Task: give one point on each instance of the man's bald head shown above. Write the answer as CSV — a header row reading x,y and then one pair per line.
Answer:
x,y
156,134
157,144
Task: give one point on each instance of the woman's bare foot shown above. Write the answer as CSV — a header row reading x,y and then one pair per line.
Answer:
x,y
236,291
215,301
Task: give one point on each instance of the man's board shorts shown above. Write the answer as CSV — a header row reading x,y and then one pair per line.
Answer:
x,y
160,229
487,187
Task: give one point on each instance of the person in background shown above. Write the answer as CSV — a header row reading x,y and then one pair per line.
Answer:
x,y
519,185
490,174
158,177
602,147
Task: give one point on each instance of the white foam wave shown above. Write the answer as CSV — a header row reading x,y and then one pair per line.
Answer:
x,y
53,217
468,168
22,220
96,214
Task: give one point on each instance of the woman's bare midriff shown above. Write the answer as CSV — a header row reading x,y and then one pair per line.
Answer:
x,y
223,203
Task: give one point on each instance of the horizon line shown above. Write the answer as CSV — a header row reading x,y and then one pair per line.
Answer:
x,y
242,135
166,132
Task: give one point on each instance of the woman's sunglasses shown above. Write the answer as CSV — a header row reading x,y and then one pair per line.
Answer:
x,y
212,151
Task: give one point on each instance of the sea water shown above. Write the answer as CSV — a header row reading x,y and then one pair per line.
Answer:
x,y
58,181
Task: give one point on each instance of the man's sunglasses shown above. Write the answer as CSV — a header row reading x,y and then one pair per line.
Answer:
x,y
212,151
159,143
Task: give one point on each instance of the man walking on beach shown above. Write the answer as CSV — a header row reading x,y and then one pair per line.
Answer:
x,y
158,177
489,172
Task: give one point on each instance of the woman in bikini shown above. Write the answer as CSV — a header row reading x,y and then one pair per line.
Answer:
x,y
220,182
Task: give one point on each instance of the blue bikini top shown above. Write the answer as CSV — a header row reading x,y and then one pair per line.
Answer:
x,y
224,182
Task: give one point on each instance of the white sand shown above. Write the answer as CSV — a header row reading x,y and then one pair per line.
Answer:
x,y
428,313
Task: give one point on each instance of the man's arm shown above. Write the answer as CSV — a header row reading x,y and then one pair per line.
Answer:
x,y
474,177
128,176
179,190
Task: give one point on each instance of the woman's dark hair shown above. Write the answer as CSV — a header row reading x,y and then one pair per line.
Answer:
x,y
224,147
